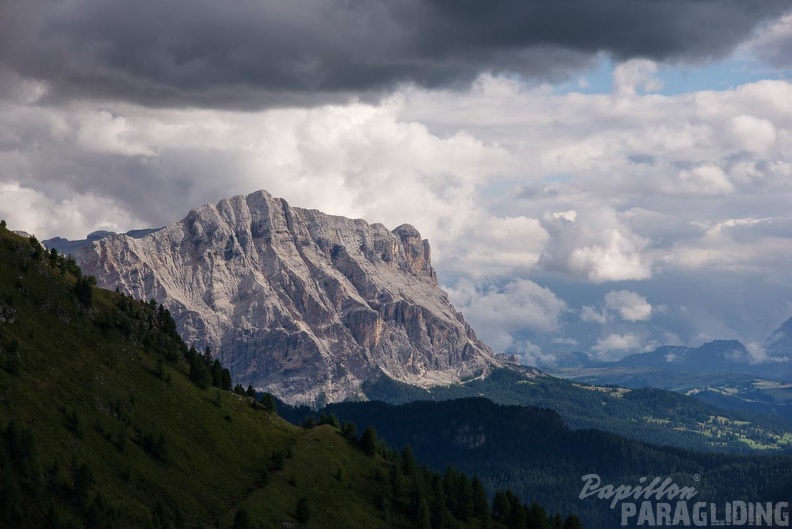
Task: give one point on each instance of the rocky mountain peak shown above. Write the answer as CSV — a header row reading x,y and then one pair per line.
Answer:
x,y
302,304
779,343
417,251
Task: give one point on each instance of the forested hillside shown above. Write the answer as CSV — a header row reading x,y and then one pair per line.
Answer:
x,y
651,415
108,419
531,451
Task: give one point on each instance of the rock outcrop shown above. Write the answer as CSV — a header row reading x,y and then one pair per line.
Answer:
x,y
302,304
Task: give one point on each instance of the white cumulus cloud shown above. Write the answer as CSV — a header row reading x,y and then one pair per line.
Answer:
x,y
623,305
616,346
597,245
636,74
498,313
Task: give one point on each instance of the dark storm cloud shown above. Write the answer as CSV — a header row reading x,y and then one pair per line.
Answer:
x,y
773,45
247,53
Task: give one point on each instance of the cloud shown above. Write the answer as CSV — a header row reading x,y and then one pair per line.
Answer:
x,y
756,353
531,354
358,161
704,180
772,42
37,213
104,133
635,74
630,306
596,245
499,313
572,190
752,134
592,314
503,179
277,53
622,304
497,246
753,245
616,346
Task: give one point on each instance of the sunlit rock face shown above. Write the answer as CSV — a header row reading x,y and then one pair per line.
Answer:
x,y
302,304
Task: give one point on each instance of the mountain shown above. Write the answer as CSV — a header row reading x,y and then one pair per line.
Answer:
x,y
315,308
109,421
298,303
531,451
65,246
650,415
779,343
773,360
725,373
718,357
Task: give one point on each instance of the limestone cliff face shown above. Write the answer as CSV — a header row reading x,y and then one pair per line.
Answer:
x,y
301,304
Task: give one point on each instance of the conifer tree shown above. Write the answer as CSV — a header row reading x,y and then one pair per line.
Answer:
x,y
225,380
303,511
369,441
573,522
409,465
242,519
217,374
268,401
480,502
349,430
501,507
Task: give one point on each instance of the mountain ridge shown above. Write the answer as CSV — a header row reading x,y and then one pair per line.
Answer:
x,y
298,303
774,359
725,373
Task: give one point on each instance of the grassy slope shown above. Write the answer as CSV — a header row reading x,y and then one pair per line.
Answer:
x,y
216,456
312,472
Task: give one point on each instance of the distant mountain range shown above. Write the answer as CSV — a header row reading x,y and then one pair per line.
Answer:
x,y
304,305
722,372
65,246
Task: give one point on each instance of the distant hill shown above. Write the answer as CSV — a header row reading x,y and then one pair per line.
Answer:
x,y
716,357
724,373
651,415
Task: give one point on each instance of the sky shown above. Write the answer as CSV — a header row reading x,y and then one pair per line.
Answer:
x,y
605,176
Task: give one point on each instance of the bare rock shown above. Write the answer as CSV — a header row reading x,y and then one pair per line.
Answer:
x,y
302,304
